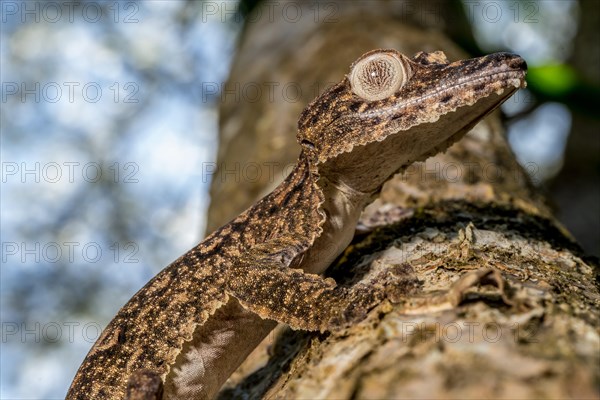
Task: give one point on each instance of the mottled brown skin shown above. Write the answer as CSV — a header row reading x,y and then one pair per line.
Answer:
x,y
350,147
144,385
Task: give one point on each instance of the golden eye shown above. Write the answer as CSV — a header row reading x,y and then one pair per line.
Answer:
x,y
378,76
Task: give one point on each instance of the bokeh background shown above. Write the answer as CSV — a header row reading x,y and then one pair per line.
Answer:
x,y
109,134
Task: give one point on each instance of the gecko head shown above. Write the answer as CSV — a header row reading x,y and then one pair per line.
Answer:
x,y
392,110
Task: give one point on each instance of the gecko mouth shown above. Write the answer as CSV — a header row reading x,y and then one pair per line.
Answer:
x,y
437,90
484,106
510,80
469,98
479,86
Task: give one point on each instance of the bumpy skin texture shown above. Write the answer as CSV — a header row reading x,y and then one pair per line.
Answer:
x,y
350,147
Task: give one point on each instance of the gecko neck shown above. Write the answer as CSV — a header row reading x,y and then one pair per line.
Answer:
x,y
340,209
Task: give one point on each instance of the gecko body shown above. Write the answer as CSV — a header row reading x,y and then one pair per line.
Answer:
x,y
195,321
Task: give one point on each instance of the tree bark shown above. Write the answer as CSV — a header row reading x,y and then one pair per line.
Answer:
x,y
500,302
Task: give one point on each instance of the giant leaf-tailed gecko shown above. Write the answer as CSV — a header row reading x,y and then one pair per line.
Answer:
x,y
192,325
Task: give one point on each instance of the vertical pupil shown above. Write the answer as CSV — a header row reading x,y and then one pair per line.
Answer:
x,y
377,74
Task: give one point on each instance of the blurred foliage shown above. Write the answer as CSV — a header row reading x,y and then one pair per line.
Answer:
x,y
564,84
552,80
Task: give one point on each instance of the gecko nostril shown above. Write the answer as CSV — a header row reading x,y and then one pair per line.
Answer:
x,y
516,62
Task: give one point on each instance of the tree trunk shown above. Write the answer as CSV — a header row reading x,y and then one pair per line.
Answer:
x,y
500,301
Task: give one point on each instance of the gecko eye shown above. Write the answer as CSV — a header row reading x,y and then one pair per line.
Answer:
x,y
378,76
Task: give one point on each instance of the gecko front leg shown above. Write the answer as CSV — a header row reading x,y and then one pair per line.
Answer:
x,y
265,290
298,299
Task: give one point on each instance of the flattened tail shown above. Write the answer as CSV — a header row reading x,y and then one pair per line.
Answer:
x,y
149,332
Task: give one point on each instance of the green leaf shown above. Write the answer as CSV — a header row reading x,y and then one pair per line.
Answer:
x,y
553,80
